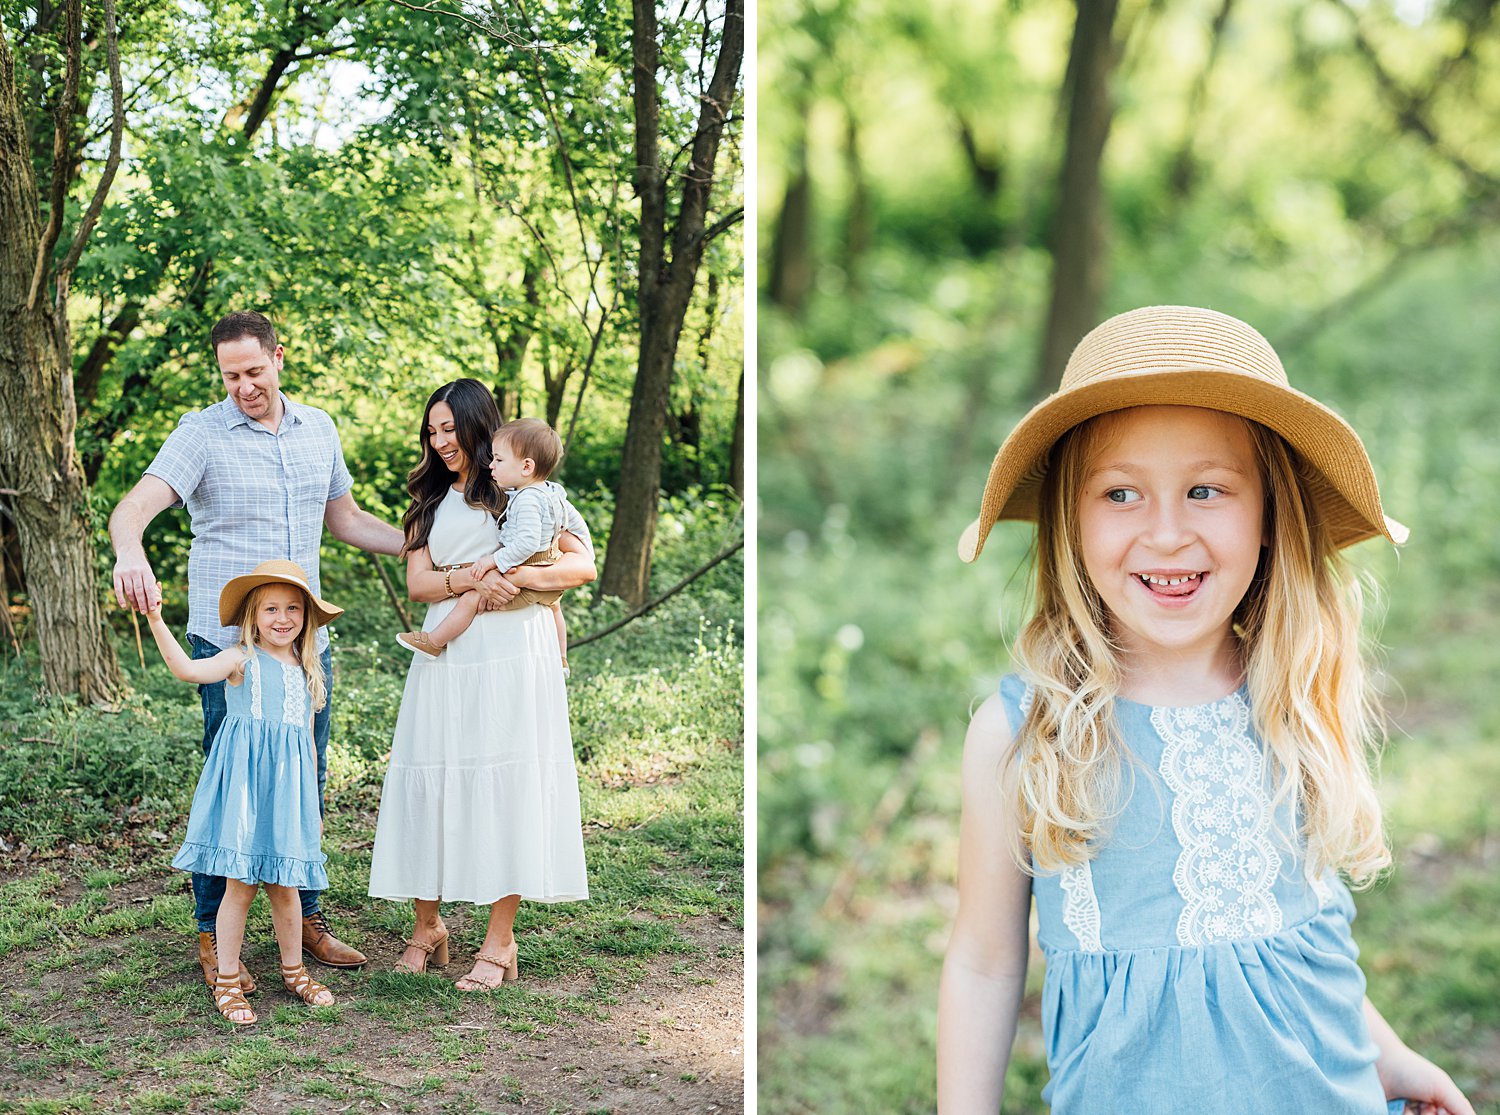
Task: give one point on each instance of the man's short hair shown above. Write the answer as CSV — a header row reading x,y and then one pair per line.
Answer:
x,y
244,323
531,437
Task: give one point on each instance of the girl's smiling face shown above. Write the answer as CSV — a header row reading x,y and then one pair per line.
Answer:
x,y
280,614
1171,524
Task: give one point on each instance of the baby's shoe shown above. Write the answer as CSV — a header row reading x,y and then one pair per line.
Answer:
x,y
418,640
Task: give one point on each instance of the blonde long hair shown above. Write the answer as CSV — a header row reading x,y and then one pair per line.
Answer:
x,y
304,646
1299,633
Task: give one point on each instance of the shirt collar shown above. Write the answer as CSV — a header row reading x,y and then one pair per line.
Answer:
x,y
234,416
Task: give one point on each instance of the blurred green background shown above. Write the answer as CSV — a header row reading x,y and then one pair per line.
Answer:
x,y
1328,171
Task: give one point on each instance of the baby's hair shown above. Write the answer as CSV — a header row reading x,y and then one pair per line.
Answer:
x,y
1298,628
531,437
304,647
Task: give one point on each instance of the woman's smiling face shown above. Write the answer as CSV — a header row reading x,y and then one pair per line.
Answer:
x,y
1171,525
442,435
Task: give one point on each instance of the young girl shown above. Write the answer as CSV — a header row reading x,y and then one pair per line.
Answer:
x,y
1178,773
255,817
523,454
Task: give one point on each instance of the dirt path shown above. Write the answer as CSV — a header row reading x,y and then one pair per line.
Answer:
x,y
122,1022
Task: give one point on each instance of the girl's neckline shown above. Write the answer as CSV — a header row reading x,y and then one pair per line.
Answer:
x,y
259,653
1242,690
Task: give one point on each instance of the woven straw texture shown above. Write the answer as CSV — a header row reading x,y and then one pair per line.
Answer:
x,y
1184,356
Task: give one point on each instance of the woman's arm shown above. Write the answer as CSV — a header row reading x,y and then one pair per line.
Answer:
x,y
427,585
1410,1076
574,568
984,972
203,671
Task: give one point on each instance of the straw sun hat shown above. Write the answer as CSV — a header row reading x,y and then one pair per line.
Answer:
x,y
271,573
1185,356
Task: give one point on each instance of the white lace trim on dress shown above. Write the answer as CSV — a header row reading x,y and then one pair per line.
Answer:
x,y
294,698
1081,905
1223,819
255,701
1322,888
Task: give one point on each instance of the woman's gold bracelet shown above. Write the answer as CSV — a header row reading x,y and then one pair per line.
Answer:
x,y
448,583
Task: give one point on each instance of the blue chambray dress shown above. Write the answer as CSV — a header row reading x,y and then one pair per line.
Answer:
x,y
1193,966
255,813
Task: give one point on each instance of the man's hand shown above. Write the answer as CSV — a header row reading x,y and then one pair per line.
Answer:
x,y
135,584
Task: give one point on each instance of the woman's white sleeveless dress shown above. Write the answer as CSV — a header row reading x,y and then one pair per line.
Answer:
x,y
481,797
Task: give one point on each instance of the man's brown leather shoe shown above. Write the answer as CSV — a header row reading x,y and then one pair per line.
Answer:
x,y
208,957
319,942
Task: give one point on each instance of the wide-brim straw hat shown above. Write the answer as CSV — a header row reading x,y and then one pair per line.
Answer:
x,y
271,573
1185,356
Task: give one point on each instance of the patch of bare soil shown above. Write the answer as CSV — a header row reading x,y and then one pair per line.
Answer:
x,y
673,1042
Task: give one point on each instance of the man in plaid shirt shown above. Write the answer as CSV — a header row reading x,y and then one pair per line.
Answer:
x,y
260,476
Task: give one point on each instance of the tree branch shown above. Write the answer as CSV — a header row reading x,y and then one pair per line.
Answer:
x,y
116,132
1410,110
724,554
432,8
62,133
723,224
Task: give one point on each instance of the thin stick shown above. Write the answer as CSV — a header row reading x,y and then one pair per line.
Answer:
x,y
136,624
390,589
573,644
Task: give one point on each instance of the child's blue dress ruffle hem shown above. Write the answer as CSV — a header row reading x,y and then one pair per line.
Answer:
x,y
255,814
1193,965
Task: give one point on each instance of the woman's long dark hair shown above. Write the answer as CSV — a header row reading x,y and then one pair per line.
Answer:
x,y
475,419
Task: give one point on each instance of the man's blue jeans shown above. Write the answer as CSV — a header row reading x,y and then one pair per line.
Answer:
x,y
208,890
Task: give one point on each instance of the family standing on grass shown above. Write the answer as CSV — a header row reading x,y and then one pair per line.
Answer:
x,y
480,802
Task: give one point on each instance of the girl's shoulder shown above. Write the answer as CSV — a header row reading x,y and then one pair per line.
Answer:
x,y
992,726
240,658
1014,698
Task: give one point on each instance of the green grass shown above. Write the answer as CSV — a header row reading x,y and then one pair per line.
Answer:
x,y
101,1001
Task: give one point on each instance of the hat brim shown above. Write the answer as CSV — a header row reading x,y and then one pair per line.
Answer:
x,y
233,597
1344,490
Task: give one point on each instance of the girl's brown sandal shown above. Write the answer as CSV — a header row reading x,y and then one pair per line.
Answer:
x,y
229,998
302,985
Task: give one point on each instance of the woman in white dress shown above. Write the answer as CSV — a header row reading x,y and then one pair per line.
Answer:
x,y
480,802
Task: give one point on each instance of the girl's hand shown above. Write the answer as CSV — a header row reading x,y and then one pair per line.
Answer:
x,y
1427,1089
153,602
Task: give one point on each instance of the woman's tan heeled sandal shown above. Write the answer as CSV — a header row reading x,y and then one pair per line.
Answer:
x,y
510,969
436,952
302,985
229,998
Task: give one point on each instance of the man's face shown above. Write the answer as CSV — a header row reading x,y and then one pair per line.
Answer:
x,y
252,376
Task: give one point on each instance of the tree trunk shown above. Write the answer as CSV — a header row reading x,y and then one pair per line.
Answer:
x,y
1078,254
38,459
665,286
791,247
859,221
737,446
512,342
